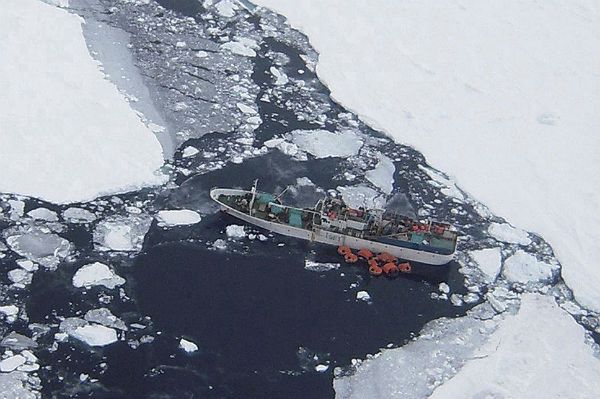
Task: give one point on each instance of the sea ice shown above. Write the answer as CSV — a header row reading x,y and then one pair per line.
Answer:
x,y
226,8
90,142
118,233
239,48
321,368
15,385
524,268
43,214
383,174
177,217
235,231
505,232
97,274
105,317
189,151
10,312
282,145
539,353
363,296
280,77
47,249
95,335
11,363
361,196
320,267
188,346
78,215
324,144
16,341
489,261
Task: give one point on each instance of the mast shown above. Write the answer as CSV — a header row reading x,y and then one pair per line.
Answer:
x,y
253,191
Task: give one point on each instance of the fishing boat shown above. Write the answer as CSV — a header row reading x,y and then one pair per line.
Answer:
x,y
332,222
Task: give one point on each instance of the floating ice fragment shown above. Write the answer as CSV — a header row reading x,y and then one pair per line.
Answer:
x,y
246,109
283,146
16,341
383,174
10,312
43,214
219,244
78,215
11,363
118,233
105,317
324,144
226,8
505,232
239,49
524,268
97,273
280,76
36,245
321,368
178,217
489,262
189,151
188,346
95,335
235,231
363,296
361,196
456,300
320,267
445,288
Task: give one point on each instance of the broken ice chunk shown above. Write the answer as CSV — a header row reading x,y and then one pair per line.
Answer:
x,y
97,274
187,346
177,217
43,214
363,296
383,174
524,268
95,335
235,231
105,317
118,233
505,232
489,262
78,215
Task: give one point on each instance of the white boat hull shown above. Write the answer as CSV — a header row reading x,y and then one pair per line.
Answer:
x,y
329,237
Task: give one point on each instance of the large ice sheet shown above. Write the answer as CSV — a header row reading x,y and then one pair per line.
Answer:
x,y
66,133
503,97
539,353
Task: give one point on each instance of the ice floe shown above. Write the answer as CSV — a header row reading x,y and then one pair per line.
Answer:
x,y
524,268
177,217
97,273
489,261
361,195
43,214
280,77
282,145
235,231
226,8
189,151
506,233
78,215
11,363
105,317
10,312
239,48
325,144
319,267
95,334
16,341
383,174
74,148
363,296
120,233
187,346
38,245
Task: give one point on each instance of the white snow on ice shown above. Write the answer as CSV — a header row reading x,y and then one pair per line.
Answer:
x,y
383,174
324,144
95,335
66,133
502,96
539,353
524,268
489,261
235,231
507,233
97,274
177,217
187,346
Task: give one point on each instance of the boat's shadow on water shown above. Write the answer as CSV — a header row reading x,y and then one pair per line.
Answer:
x,y
252,307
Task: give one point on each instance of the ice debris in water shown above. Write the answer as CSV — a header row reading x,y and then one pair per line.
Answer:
x,y
95,335
283,146
444,288
11,363
219,244
177,217
43,214
189,151
38,245
324,144
105,317
320,267
10,312
280,77
187,346
524,268
383,174
321,368
78,215
226,8
489,261
361,196
16,341
97,274
118,233
239,48
506,233
235,231
363,296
